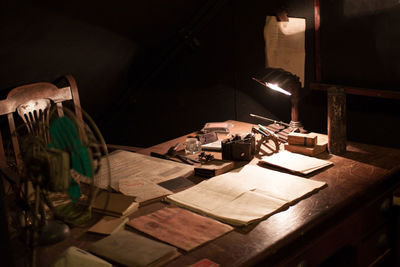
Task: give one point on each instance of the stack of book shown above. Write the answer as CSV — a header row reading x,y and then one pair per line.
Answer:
x,y
310,144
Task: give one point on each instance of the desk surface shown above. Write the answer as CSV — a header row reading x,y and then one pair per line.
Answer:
x,y
360,175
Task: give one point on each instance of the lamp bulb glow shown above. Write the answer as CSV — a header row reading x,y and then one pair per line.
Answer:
x,y
275,87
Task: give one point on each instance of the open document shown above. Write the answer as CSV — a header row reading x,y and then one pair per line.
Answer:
x,y
295,162
241,198
136,167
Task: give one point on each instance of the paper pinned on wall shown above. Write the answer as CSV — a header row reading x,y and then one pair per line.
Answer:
x,y
285,45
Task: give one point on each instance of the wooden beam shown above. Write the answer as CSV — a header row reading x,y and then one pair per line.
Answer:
x,y
358,91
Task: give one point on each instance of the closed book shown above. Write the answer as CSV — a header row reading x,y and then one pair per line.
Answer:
x,y
129,249
318,148
180,227
108,225
308,140
114,204
308,151
213,168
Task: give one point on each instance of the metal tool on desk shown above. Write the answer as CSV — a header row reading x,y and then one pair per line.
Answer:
x,y
280,128
266,136
172,155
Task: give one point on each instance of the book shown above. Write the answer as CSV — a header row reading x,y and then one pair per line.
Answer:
x,y
213,168
74,256
318,148
204,263
179,227
114,204
247,196
108,225
308,140
295,162
129,249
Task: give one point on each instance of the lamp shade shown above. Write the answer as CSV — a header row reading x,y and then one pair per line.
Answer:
x,y
287,83
278,80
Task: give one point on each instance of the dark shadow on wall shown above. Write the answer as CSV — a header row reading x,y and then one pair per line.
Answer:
x,y
39,44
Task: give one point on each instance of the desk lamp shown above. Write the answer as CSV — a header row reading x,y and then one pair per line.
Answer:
x,y
286,83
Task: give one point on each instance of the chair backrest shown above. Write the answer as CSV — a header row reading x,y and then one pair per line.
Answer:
x,y
32,102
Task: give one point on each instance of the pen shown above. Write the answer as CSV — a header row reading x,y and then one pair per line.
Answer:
x,y
261,132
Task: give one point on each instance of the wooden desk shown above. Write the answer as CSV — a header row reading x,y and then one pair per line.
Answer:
x,y
352,219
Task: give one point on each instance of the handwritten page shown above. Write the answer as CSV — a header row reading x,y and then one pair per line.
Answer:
x,y
285,45
125,164
142,189
249,195
295,162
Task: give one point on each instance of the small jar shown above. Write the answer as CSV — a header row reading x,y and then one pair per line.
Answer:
x,y
192,146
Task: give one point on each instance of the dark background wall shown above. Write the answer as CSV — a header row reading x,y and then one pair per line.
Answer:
x,y
359,47
148,71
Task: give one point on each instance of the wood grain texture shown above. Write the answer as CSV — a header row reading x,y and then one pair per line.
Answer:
x,y
342,214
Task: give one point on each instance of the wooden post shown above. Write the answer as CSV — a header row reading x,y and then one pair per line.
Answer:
x,y
336,120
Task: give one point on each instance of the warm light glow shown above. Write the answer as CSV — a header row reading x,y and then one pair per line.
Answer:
x,y
277,88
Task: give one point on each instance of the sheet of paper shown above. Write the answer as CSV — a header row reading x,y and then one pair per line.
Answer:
x,y
285,45
279,185
241,198
142,189
108,225
125,164
248,207
180,227
295,162
213,193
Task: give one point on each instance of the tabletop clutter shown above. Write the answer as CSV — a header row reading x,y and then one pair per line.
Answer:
x,y
195,214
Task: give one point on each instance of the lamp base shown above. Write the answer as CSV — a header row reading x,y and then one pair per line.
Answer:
x,y
296,126
53,232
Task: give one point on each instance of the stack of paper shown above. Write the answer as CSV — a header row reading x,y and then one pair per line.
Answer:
x,y
241,198
125,164
295,162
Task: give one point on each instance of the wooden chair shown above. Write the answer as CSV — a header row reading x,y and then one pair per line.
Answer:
x,y
32,103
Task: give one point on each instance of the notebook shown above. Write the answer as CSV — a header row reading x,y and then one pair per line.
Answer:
x,y
130,249
114,204
179,227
